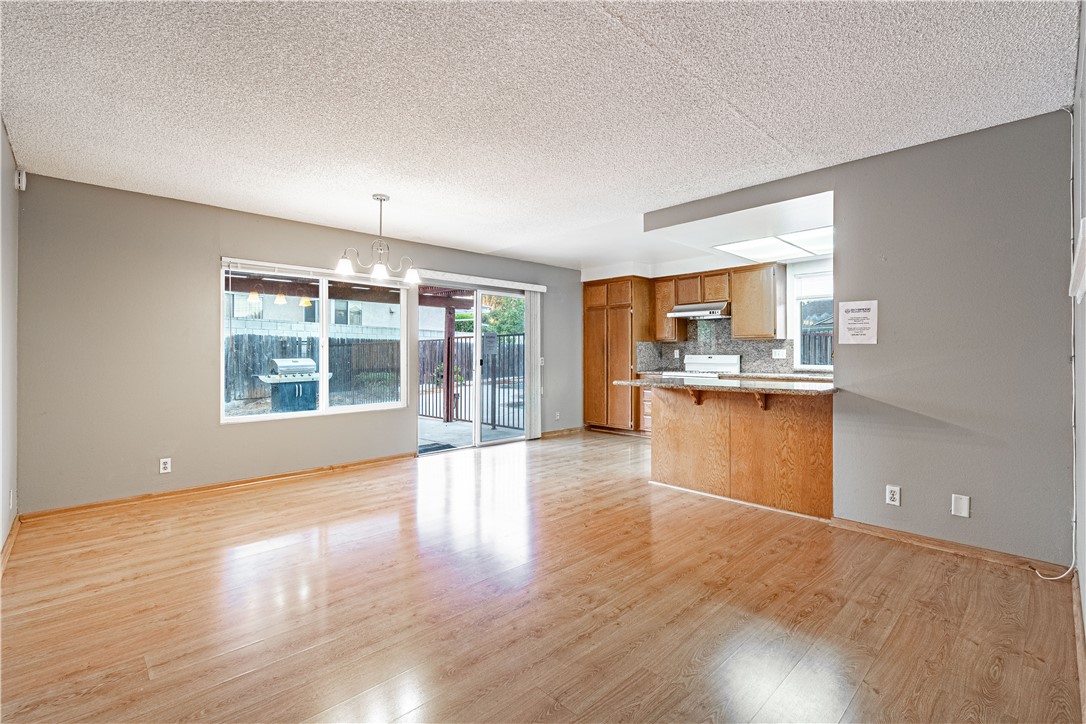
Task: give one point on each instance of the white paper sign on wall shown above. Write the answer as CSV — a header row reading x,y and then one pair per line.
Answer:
x,y
858,322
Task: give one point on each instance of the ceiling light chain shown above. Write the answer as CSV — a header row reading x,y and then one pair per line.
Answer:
x,y
379,251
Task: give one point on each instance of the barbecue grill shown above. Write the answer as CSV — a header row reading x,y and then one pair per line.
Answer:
x,y
293,384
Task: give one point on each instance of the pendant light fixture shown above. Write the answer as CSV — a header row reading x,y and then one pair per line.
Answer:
x,y
379,251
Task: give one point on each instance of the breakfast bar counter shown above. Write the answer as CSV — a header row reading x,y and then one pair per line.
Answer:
x,y
768,442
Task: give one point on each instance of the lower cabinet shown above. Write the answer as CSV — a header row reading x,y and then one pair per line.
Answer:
x,y
646,409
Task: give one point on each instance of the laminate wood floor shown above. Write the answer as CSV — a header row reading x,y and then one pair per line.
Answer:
x,y
544,580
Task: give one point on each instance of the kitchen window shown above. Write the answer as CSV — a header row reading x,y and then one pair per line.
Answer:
x,y
299,342
813,314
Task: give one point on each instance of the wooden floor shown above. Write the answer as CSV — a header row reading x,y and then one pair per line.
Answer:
x,y
544,580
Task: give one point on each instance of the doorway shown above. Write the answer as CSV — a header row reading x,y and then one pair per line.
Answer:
x,y
471,368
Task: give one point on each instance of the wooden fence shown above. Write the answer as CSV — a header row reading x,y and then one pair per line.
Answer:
x,y
363,370
816,349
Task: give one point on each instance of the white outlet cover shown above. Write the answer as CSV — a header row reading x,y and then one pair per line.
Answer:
x,y
959,505
676,354
779,354
893,495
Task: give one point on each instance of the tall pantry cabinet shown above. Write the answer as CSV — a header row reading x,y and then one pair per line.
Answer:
x,y
618,313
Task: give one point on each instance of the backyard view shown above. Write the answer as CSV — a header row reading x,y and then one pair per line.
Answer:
x,y
273,321
446,400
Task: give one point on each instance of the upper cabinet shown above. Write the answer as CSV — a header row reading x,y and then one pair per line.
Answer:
x,y
688,289
715,287
758,302
595,294
668,329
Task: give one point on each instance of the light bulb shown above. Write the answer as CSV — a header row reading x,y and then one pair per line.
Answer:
x,y
280,298
412,276
344,267
380,271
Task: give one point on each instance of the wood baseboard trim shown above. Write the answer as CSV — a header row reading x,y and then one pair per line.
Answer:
x,y
9,543
961,549
216,487
565,432
616,431
1080,640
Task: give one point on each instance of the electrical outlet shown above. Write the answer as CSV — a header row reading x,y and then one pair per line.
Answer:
x,y
676,354
959,505
780,354
165,465
557,416
893,495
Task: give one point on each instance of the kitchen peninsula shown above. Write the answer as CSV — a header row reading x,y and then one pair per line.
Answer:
x,y
762,441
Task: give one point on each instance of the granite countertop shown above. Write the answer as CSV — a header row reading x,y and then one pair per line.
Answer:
x,y
788,376
730,384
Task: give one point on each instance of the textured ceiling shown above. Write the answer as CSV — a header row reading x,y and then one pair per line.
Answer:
x,y
515,128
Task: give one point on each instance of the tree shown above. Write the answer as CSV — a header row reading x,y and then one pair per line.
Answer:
x,y
506,314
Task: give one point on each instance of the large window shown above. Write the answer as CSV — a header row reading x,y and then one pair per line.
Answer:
x,y
814,314
296,342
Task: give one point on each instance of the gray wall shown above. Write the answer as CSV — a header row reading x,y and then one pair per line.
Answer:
x,y
964,243
119,345
1080,309
9,263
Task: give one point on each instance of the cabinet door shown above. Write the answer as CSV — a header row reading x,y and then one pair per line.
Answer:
x,y
596,382
668,329
595,295
754,303
620,292
688,290
619,337
714,287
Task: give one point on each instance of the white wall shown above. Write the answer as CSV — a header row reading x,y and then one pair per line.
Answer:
x,y
9,263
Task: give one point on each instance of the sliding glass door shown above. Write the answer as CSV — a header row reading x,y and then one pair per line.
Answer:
x,y
501,373
447,364
471,368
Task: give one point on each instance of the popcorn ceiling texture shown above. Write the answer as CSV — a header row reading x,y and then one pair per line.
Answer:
x,y
501,126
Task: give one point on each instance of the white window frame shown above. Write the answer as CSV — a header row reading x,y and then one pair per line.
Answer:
x,y
323,276
795,273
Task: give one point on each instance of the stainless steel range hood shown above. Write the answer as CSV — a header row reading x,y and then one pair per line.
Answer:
x,y
713,310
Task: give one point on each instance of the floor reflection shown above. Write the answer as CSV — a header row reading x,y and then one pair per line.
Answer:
x,y
476,503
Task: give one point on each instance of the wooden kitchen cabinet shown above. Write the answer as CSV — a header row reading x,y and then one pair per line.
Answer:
x,y
595,294
715,287
668,329
758,302
688,290
646,407
611,333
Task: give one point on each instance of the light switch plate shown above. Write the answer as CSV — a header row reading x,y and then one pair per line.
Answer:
x,y
959,505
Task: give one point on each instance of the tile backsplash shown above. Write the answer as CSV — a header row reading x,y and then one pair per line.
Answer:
x,y
714,336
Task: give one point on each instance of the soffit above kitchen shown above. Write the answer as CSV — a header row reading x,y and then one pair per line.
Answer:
x,y
539,131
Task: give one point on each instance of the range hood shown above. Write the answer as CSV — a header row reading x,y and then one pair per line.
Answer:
x,y
713,310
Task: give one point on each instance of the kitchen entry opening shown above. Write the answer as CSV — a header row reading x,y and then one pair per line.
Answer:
x,y
471,368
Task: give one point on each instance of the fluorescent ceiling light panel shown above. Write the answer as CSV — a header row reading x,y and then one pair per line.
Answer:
x,y
816,241
768,249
